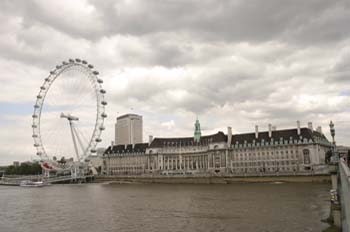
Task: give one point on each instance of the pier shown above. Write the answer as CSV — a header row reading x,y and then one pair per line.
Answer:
x,y
16,180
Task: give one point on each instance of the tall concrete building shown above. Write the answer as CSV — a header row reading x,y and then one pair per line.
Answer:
x,y
128,129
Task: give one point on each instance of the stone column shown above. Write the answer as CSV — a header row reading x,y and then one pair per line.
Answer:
x,y
202,161
176,162
208,158
226,159
180,162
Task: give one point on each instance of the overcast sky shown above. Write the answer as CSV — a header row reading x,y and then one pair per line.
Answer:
x,y
232,63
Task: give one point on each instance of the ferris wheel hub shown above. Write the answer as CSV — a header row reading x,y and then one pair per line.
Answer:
x,y
69,117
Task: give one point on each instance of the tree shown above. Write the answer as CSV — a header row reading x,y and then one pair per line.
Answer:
x,y
24,169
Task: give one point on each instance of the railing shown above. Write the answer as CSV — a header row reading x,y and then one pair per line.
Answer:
x,y
344,173
65,178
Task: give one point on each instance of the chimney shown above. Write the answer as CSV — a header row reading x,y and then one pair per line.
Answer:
x,y
150,139
270,130
298,127
274,128
112,143
319,130
309,125
256,131
229,136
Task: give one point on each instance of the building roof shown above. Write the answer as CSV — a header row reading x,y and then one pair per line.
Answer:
x,y
129,148
288,134
277,135
128,115
188,141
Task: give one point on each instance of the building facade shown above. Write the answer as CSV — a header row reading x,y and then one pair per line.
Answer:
x,y
128,129
289,152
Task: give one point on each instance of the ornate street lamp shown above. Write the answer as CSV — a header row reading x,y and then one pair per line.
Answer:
x,y
335,155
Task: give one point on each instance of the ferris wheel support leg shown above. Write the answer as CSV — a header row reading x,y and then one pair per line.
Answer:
x,y
79,140
74,141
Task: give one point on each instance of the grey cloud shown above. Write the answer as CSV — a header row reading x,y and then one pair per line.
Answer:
x,y
235,63
300,21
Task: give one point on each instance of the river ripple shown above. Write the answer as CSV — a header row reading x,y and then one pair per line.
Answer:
x,y
160,207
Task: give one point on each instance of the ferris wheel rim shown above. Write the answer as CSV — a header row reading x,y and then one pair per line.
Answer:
x,y
92,75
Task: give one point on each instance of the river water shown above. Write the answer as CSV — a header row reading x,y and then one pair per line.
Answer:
x,y
247,207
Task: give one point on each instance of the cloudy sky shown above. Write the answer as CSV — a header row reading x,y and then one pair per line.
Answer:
x,y
232,63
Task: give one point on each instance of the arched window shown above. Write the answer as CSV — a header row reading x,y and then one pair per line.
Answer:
x,y
306,153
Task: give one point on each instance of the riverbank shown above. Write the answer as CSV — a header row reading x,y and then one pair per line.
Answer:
x,y
211,179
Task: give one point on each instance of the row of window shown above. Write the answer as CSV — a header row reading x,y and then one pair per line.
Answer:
x,y
263,170
267,163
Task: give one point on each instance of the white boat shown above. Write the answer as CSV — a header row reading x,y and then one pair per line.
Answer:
x,y
29,183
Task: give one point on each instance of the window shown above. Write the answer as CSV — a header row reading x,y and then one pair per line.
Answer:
x,y
306,153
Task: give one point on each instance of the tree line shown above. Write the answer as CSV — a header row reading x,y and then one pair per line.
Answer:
x,y
24,169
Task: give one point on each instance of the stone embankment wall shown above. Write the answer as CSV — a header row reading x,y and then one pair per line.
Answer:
x,y
210,180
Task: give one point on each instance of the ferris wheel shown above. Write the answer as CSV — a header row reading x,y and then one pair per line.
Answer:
x,y
69,114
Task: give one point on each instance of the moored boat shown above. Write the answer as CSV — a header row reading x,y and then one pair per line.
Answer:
x,y
29,183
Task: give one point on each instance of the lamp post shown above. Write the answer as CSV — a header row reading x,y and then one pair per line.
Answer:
x,y
335,156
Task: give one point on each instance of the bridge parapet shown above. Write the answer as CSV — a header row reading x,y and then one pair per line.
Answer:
x,y
344,173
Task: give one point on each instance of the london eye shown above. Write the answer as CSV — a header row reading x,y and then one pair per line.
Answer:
x,y
69,114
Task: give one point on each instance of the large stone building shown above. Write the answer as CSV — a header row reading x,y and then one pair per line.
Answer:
x,y
128,129
289,152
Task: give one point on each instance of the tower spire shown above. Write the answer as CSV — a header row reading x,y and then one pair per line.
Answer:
x,y
197,131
